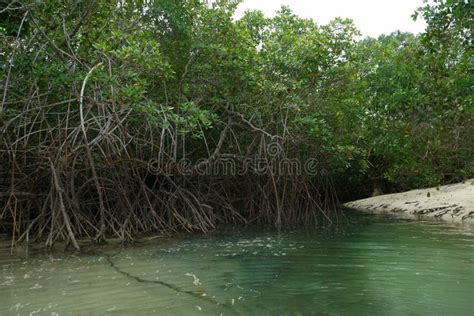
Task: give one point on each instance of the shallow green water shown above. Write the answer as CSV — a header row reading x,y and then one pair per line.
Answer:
x,y
376,265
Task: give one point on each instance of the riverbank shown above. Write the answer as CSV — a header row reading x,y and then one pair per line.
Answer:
x,y
454,202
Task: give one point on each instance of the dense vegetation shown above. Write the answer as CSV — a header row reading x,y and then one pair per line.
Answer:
x,y
93,91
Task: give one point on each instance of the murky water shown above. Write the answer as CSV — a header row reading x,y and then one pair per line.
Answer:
x,y
376,265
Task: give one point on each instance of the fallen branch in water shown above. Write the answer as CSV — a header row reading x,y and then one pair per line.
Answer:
x,y
170,286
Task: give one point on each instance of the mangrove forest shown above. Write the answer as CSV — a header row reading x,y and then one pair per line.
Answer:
x,y
178,123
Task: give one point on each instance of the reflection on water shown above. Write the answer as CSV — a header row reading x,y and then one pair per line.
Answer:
x,y
376,265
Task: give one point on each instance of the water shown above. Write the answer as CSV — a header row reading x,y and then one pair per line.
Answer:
x,y
376,265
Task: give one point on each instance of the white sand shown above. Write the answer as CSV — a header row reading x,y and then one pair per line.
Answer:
x,y
453,202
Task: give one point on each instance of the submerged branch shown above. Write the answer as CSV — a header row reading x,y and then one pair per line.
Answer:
x,y
170,286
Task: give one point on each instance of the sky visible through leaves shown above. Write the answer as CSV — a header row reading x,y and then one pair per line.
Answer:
x,y
372,17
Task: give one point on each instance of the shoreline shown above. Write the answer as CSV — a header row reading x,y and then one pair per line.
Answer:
x,y
453,202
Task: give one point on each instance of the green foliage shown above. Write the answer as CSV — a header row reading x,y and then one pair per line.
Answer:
x,y
398,107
